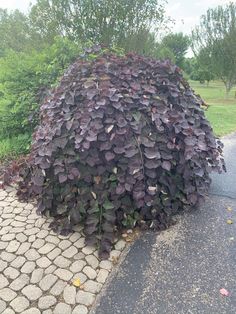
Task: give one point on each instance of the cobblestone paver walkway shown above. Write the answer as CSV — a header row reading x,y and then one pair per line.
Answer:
x,y
37,267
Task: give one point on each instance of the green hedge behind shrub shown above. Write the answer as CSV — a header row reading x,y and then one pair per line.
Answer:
x,y
25,79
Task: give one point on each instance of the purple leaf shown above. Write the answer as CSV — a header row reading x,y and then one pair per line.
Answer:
x,y
152,153
62,178
166,165
109,156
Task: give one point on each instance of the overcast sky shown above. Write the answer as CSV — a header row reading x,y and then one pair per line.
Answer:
x,y
186,13
22,5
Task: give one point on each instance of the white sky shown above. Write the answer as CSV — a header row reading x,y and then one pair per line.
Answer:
x,y
22,5
186,13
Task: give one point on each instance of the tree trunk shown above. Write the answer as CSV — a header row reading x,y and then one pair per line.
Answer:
x,y
228,87
227,93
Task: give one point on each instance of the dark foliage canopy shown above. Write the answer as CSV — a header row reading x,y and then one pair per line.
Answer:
x,y
122,141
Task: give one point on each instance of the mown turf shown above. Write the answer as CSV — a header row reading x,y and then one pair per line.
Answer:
x,y
11,148
222,111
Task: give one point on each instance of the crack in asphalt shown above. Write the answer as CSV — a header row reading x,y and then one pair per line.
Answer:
x,y
223,195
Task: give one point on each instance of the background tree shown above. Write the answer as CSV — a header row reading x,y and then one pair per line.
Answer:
x,y
189,65
45,22
14,30
163,52
214,42
114,22
202,75
178,44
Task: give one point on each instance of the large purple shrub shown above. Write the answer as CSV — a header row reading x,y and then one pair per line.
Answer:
x,y
122,140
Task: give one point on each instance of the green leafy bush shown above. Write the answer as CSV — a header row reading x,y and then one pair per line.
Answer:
x,y
25,79
122,141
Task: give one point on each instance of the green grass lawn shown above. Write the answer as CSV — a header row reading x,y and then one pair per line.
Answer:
x,y
222,110
11,148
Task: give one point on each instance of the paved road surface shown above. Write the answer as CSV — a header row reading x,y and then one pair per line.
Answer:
x,y
225,184
181,270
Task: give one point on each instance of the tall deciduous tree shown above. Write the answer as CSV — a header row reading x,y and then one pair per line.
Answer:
x,y
214,41
178,44
14,30
18,34
120,22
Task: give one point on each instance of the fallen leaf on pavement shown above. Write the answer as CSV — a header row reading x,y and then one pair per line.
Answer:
x,y
229,221
229,209
115,260
77,282
224,292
